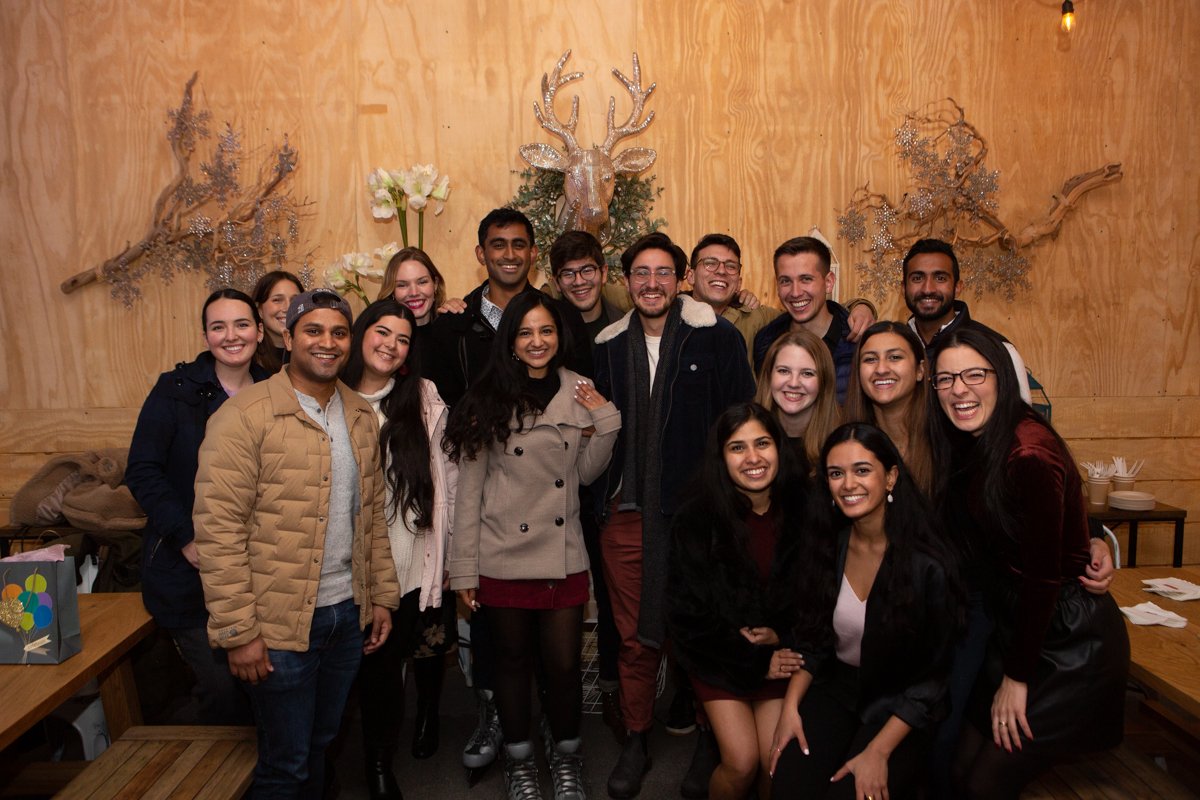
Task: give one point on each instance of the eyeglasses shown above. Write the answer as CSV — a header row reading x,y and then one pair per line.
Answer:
x,y
970,377
572,275
644,273
715,265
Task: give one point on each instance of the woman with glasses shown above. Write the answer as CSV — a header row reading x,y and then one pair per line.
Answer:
x,y
527,433
797,384
1052,684
889,388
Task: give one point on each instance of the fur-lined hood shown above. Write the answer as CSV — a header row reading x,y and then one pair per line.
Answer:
x,y
695,315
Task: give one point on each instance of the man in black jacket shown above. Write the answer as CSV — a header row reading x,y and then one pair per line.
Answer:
x,y
462,343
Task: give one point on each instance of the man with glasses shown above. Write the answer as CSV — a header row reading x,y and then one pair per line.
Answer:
x,y
931,284
671,366
716,278
581,277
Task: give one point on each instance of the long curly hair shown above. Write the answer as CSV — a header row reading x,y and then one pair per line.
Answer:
x,y
403,438
486,413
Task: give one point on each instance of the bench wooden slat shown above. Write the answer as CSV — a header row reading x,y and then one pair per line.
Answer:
x,y
99,771
146,777
178,771
234,776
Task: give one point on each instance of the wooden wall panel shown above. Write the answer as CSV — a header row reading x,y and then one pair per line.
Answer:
x,y
769,114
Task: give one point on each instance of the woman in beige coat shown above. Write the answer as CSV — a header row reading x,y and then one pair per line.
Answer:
x,y
526,435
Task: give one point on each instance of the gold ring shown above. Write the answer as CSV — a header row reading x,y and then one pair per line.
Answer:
x,y
1003,724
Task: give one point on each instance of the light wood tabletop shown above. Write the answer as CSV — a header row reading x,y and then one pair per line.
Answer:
x,y
110,625
1166,660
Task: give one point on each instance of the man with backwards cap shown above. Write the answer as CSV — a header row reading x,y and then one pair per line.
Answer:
x,y
293,544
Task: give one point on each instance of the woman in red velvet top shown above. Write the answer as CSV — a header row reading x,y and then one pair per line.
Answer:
x,y
1053,682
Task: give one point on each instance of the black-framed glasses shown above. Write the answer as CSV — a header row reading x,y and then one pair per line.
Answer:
x,y
572,275
970,377
714,265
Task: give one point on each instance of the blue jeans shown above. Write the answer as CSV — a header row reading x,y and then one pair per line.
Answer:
x,y
299,706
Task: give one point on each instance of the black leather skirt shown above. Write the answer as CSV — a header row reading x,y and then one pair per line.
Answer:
x,y
1076,701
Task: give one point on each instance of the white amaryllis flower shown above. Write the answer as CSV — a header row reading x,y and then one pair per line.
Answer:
x,y
362,264
386,252
440,192
417,202
419,181
382,189
335,278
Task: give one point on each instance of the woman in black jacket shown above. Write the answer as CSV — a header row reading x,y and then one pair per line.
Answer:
x,y
161,473
879,613
731,590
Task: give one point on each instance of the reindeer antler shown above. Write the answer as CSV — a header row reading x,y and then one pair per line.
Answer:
x,y
549,120
631,125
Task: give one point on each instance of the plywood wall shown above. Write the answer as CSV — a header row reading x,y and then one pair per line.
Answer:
x,y
769,114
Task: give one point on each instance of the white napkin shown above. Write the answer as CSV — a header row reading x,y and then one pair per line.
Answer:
x,y
1150,614
1173,588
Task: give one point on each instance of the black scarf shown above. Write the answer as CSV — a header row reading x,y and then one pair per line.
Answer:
x,y
641,475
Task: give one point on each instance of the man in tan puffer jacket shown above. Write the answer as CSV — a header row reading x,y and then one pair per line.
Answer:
x,y
293,544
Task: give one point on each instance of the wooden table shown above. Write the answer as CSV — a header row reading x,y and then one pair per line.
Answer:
x,y
1106,515
170,761
1164,660
110,624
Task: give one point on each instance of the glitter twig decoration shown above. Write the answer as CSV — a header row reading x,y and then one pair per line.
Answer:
x,y
209,221
955,197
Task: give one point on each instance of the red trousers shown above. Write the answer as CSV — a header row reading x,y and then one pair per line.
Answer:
x,y
637,664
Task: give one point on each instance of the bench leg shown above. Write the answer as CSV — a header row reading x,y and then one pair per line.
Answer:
x,y
1177,554
1131,558
118,693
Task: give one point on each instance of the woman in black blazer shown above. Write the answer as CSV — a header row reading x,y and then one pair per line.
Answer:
x,y
878,616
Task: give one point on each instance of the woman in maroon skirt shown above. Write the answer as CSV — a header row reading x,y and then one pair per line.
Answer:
x,y
526,435
731,589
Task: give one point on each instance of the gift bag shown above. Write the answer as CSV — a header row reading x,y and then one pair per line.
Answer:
x,y
39,612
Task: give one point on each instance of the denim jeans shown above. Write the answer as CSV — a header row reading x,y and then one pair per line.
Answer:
x,y
218,697
299,706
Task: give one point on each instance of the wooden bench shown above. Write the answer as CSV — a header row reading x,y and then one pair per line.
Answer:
x,y
160,761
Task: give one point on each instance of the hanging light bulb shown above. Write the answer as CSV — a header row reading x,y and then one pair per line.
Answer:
x,y
1068,16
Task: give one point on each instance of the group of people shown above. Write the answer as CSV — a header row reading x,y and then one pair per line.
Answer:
x,y
870,565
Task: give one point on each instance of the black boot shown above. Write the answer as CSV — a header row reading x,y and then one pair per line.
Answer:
x,y
625,781
381,782
705,758
427,672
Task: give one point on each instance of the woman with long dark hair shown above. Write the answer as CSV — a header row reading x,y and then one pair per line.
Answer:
x,y
798,385
525,436
161,475
731,589
272,295
384,367
1053,681
889,388
878,615
414,281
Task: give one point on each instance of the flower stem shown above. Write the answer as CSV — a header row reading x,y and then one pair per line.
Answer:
x,y
420,230
402,215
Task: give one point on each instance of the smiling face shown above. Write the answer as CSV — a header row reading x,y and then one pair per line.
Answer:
x,y
717,288
507,253
858,481
803,286
581,292
415,288
794,381
652,283
930,288
319,345
274,309
752,458
231,333
385,346
536,342
968,407
888,370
